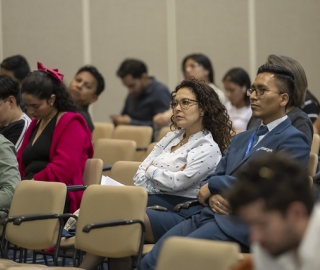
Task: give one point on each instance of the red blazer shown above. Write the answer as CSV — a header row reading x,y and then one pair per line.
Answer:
x,y
70,148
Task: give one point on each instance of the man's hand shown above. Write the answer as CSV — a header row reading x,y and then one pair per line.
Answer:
x,y
219,205
203,194
162,119
121,119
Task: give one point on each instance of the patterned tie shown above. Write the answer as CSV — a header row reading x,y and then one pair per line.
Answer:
x,y
262,130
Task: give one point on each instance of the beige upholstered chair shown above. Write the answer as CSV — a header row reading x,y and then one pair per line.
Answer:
x,y
315,144
112,150
102,130
313,163
123,171
31,199
142,135
189,254
92,171
163,131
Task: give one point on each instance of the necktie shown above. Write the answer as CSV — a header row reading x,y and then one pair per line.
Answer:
x,y
262,130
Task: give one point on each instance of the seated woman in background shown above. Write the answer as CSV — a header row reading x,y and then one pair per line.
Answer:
x,y
197,66
236,82
58,141
174,169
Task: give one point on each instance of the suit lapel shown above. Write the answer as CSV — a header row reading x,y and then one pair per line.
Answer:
x,y
264,142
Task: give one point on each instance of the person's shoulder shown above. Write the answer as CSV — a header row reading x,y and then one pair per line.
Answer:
x,y
159,86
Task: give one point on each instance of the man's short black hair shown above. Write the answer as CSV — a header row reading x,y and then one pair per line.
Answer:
x,y
9,87
132,67
18,65
95,73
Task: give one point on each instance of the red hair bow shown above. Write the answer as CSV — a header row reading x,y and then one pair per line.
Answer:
x,y
53,72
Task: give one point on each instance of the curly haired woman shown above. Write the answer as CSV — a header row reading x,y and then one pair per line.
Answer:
x,y
173,171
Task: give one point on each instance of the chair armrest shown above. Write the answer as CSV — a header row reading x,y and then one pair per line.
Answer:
x,y
120,222
33,217
107,167
76,188
185,205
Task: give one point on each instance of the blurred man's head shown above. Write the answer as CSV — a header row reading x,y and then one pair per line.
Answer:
x,y
15,66
273,196
134,76
10,99
86,86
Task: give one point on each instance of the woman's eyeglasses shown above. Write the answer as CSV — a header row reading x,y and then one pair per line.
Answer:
x,y
184,103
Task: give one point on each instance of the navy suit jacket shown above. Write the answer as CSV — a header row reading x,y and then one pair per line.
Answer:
x,y
283,138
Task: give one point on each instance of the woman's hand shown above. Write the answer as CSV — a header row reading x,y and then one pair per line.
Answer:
x,y
203,194
219,205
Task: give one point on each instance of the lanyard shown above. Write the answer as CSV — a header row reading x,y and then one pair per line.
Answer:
x,y
250,143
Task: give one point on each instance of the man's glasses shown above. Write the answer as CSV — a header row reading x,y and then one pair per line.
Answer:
x,y
184,103
260,91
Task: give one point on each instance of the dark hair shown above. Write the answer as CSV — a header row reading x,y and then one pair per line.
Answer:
x,y
283,78
300,79
202,60
215,118
9,87
41,85
276,179
95,73
240,77
18,65
132,67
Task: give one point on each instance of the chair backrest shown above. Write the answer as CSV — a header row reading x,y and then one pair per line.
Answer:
x,y
163,132
188,254
92,171
123,171
36,197
109,203
102,130
142,135
312,164
112,150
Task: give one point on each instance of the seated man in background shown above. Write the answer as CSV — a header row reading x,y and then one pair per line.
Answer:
x,y
17,67
85,88
9,173
147,97
273,196
269,96
13,121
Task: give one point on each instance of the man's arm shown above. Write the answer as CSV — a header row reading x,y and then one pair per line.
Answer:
x,y
9,173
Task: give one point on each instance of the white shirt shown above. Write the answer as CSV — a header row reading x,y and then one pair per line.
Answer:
x,y
308,251
200,155
27,122
239,117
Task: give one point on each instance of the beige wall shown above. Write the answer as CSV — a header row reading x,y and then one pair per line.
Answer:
x,y
68,34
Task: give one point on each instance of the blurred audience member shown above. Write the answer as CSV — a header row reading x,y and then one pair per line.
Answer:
x,y
146,96
13,121
236,82
9,174
273,196
17,67
85,88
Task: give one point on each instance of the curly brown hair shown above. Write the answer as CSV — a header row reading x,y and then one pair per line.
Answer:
x,y
215,118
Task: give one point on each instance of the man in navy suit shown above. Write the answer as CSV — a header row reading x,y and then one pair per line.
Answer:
x,y
269,95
